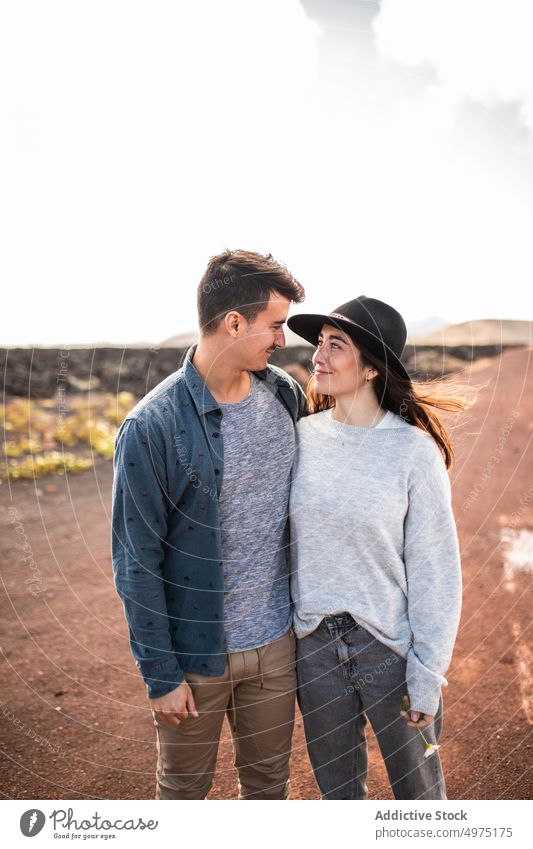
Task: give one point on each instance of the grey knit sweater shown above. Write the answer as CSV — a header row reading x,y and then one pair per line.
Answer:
x,y
373,534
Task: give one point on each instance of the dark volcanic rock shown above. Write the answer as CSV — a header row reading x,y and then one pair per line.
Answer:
x,y
41,372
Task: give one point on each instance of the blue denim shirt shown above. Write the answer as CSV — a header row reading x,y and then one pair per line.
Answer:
x,y
166,547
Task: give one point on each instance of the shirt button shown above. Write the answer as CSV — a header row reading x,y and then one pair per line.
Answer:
x,y
216,434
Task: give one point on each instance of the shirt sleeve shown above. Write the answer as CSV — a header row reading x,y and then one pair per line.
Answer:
x,y
433,572
140,505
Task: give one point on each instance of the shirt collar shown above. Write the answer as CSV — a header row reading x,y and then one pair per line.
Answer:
x,y
205,403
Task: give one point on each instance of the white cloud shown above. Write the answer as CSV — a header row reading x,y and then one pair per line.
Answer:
x,y
134,136
138,139
478,49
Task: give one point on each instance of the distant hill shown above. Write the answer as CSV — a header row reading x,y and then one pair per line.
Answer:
x,y
423,327
62,345
431,331
489,331
184,340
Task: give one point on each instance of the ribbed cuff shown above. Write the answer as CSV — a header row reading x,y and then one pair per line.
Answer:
x,y
426,701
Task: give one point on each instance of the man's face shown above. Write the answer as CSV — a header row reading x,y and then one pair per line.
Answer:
x,y
260,338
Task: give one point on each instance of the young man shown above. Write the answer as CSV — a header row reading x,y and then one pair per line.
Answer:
x,y
200,508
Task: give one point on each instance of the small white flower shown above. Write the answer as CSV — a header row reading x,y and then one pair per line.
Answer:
x,y
430,749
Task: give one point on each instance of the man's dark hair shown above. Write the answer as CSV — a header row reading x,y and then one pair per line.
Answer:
x,y
242,281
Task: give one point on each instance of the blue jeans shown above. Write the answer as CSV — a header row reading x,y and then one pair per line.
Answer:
x,y
345,675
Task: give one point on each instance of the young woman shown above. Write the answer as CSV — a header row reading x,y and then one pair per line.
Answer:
x,y
376,578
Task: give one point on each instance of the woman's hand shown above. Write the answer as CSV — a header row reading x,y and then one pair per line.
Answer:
x,y
414,718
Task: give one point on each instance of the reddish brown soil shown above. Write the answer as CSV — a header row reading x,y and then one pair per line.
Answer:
x,y
68,676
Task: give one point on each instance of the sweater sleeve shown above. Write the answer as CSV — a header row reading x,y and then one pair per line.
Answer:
x,y
139,524
433,572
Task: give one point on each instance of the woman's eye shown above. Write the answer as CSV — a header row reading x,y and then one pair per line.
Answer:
x,y
333,345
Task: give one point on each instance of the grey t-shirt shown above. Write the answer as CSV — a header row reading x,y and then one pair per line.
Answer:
x,y
258,441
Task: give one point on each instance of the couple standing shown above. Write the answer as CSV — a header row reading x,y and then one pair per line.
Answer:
x,y
209,466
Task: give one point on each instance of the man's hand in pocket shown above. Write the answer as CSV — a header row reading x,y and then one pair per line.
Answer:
x,y
176,706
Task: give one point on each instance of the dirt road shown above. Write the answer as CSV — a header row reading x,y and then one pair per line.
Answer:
x,y
74,718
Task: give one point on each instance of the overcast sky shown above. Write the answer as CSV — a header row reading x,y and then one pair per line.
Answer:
x,y
376,148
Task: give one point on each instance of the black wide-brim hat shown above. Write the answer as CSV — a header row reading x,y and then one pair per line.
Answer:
x,y
373,324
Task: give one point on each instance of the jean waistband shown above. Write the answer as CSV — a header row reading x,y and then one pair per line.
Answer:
x,y
339,619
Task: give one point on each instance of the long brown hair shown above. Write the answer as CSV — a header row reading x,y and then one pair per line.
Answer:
x,y
414,401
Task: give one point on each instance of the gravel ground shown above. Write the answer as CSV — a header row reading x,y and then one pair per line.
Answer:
x,y
74,717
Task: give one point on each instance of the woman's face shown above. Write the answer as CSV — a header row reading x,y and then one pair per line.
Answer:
x,y
338,366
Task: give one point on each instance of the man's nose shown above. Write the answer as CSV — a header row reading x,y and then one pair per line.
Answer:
x,y
280,338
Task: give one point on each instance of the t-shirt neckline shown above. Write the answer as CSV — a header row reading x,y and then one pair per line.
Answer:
x,y
244,401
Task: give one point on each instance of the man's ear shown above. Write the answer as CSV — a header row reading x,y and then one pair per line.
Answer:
x,y
233,322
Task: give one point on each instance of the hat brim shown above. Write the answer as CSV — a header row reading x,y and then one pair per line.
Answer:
x,y
309,325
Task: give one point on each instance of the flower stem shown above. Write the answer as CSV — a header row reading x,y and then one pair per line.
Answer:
x,y
423,738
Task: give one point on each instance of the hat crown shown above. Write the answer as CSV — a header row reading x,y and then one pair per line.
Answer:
x,y
373,325
378,318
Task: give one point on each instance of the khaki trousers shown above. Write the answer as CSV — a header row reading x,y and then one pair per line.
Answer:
x,y
257,694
